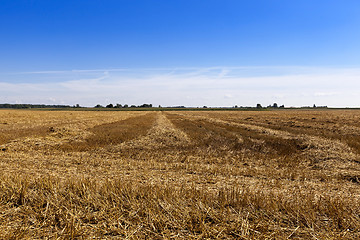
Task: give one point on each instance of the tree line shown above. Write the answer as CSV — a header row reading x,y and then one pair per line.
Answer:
x,y
26,106
145,105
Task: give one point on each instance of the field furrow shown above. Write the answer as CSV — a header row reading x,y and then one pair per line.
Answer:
x,y
162,134
315,149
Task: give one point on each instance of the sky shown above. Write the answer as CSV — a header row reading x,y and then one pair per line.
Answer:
x,y
180,52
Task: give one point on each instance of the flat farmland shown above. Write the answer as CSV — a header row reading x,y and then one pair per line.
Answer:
x,y
290,174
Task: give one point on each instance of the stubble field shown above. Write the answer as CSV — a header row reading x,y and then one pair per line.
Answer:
x,y
180,175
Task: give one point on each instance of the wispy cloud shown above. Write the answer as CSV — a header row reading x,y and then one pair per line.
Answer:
x,y
213,86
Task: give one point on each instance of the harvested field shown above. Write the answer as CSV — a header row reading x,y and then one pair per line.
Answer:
x,y
287,174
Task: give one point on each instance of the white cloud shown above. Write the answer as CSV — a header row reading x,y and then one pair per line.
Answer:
x,y
321,94
228,96
215,86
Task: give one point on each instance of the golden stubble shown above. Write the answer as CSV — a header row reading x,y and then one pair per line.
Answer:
x,y
193,175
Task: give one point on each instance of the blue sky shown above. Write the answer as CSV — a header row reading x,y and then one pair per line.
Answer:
x,y
180,52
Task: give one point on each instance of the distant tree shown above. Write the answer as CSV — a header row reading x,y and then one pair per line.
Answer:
x,y
204,106
126,106
110,106
98,106
146,105
258,105
282,106
275,105
236,106
118,105
314,106
133,106
159,106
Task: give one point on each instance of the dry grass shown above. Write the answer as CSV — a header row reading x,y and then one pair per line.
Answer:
x,y
179,175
